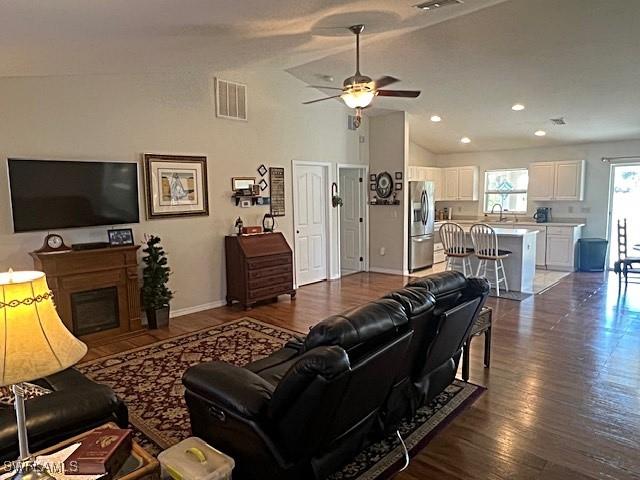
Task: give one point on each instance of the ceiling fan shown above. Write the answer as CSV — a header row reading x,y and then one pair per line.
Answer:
x,y
358,91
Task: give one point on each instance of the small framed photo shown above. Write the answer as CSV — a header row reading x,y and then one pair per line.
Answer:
x,y
262,170
263,201
120,237
372,177
398,186
263,184
372,187
398,177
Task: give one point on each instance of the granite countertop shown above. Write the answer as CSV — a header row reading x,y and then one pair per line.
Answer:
x,y
511,223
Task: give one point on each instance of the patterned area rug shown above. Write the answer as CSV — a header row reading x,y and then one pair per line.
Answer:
x,y
148,379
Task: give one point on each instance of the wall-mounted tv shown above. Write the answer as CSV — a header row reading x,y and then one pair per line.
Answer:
x,y
54,194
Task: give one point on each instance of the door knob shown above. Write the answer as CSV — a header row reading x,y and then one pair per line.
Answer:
x,y
297,231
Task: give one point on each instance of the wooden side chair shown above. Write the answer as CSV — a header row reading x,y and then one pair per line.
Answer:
x,y
625,264
485,245
454,242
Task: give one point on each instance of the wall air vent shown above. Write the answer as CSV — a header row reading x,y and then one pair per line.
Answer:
x,y
231,99
558,121
434,4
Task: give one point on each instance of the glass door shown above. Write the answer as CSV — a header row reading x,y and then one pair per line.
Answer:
x,y
623,204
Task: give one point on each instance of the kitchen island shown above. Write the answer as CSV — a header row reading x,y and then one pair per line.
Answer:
x,y
520,266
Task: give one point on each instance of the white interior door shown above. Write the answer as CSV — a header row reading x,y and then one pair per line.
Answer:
x,y
310,199
351,220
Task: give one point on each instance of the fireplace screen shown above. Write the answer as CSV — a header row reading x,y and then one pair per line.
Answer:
x,y
95,310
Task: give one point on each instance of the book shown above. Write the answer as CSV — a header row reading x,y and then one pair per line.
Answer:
x,y
102,451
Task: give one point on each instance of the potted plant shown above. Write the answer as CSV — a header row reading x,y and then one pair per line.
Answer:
x,y
155,294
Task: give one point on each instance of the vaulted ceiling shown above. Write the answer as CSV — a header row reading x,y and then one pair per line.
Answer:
x,y
570,58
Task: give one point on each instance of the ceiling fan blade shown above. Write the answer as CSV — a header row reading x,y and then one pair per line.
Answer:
x,y
384,81
399,93
321,99
324,88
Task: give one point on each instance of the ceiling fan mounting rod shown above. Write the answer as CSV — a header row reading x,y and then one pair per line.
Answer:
x,y
357,30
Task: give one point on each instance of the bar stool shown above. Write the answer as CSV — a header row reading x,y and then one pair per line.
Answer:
x,y
485,244
454,242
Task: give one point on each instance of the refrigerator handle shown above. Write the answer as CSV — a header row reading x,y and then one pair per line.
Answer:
x,y
427,208
423,202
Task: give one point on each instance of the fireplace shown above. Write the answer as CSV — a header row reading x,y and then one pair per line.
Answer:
x,y
95,311
96,292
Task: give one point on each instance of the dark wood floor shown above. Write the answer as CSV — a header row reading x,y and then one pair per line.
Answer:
x,y
563,398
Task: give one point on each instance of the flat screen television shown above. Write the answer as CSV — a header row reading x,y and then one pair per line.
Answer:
x,y
49,195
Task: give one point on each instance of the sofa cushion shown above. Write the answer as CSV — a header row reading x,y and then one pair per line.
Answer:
x,y
414,300
360,325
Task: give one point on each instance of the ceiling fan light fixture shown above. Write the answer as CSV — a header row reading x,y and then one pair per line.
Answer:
x,y
465,140
436,118
518,107
358,98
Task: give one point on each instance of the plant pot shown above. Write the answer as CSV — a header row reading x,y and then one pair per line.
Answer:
x,y
158,318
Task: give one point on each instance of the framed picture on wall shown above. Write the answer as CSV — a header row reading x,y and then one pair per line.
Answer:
x,y
176,185
398,175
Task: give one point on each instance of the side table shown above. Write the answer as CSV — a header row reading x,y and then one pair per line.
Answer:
x,y
140,465
481,326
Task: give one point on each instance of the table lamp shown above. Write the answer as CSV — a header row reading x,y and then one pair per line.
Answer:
x,y
34,343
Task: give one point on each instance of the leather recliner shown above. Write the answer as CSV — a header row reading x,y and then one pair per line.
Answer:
x,y
75,405
436,366
305,416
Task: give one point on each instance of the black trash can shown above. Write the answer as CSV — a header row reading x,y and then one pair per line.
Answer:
x,y
592,253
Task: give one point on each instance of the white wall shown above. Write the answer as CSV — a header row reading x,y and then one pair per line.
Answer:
x,y
118,117
388,151
594,208
420,156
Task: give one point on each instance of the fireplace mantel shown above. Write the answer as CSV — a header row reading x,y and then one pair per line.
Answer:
x,y
70,272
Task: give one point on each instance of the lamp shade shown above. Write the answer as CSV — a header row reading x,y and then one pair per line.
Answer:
x,y
33,340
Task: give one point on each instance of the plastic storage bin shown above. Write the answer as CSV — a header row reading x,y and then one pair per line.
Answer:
x,y
592,253
194,459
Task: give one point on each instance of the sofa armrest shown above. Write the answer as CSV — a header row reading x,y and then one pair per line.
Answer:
x,y
234,389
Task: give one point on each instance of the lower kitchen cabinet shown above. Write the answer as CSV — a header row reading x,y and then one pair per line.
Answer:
x,y
561,247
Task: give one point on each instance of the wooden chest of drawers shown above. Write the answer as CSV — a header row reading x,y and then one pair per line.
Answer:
x,y
259,267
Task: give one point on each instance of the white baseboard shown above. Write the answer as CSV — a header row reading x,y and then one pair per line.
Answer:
x,y
389,271
197,308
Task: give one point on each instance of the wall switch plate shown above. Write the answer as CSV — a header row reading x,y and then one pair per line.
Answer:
x,y
382,251
363,139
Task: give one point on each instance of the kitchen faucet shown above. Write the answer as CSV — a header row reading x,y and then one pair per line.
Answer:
x,y
501,210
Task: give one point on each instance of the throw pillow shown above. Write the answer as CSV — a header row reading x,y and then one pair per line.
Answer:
x,y
30,391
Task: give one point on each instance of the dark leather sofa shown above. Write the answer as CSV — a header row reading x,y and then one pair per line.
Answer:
x,y
307,409
75,405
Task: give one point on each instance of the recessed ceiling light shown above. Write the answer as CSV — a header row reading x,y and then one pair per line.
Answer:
x,y
539,133
517,107
465,140
436,118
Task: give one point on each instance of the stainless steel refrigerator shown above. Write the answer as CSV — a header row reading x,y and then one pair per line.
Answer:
x,y
421,219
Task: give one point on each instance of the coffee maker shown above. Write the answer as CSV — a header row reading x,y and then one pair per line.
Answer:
x,y
542,215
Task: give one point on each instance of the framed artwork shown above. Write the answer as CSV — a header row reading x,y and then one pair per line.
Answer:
x,y
119,237
176,185
372,187
398,177
276,179
262,170
372,177
398,186
263,185
242,183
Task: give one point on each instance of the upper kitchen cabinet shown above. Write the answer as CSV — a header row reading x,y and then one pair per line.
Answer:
x,y
461,183
557,180
429,174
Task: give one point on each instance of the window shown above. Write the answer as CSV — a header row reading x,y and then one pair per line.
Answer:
x,y
507,188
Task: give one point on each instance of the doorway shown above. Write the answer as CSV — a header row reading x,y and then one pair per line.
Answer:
x,y
310,186
352,218
624,199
